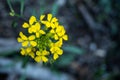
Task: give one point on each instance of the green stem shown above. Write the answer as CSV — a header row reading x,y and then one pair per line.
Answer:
x,y
10,6
22,7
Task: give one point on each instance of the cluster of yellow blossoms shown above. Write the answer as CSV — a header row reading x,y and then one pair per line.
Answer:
x,y
45,38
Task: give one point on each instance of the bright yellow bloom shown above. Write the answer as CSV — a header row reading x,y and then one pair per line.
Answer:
x,y
57,44
65,37
36,29
56,51
59,33
44,36
41,56
31,21
56,24
50,21
41,18
26,40
29,25
27,51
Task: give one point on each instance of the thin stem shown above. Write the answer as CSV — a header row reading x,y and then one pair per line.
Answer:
x,y
22,7
10,6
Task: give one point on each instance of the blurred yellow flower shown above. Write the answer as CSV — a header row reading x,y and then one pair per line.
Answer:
x,y
27,51
41,56
50,21
45,38
37,30
26,40
31,21
29,25
56,51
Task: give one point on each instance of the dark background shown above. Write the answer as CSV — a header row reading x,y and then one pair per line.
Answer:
x,y
91,53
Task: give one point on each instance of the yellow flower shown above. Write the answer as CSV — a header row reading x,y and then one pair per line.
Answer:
x,y
26,40
56,51
29,25
65,37
41,18
61,33
31,21
27,51
41,56
39,40
57,44
53,30
50,21
37,30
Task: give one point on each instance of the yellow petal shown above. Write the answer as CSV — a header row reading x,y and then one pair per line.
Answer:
x,y
55,56
42,17
45,52
52,50
25,25
65,37
25,43
49,17
38,53
32,37
31,29
37,26
44,22
44,59
22,51
31,54
59,29
54,19
60,34
19,39
37,34
23,37
32,20
42,32
56,24
56,37
38,59
28,50
51,44
52,25
33,43
47,24
60,52
52,31
59,43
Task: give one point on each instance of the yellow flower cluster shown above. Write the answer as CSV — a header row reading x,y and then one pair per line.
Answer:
x,y
45,38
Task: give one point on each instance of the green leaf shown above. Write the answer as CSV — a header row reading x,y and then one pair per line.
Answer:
x,y
73,49
25,61
65,60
